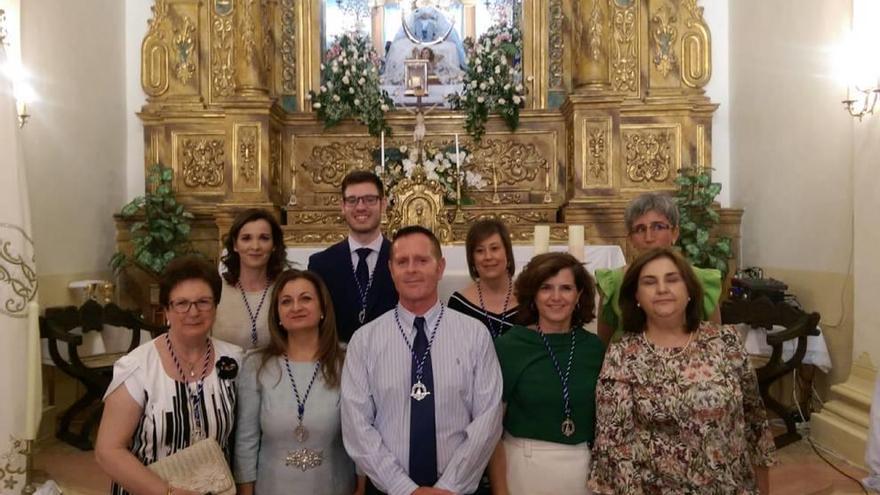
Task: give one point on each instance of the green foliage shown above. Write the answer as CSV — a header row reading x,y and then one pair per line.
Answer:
x,y
350,85
493,80
161,230
695,196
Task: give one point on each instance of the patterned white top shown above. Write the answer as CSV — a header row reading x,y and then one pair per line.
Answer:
x,y
167,418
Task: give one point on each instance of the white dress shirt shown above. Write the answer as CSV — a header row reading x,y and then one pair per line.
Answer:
x,y
376,383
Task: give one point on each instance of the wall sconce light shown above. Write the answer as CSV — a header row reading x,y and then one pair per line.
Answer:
x,y
863,103
856,61
21,91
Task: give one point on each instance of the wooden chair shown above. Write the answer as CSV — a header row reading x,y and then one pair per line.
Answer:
x,y
59,325
763,313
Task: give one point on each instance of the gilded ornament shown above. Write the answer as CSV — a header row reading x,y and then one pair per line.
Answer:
x,y
248,29
222,62
315,218
154,53
18,273
696,66
288,47
275,158
329,164
557,45
663,34
223,7
595,31
247,153
302,237
185,43
597,166
419,201
513,162
203,161
625,73
649,156
510,218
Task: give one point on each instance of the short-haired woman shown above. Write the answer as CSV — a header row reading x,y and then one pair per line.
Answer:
x,y
652,221
550,365
255,255
173,391
678,408
490,297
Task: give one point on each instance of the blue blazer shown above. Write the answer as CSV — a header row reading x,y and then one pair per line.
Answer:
x,y
334,266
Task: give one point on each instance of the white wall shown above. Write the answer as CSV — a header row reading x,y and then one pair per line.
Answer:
x,y
717,16
137,13
74,144
867,239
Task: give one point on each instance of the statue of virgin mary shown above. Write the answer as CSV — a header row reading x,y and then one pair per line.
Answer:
x,y
427,33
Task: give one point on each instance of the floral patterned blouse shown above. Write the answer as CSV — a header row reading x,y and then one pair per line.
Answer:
x,y
679,421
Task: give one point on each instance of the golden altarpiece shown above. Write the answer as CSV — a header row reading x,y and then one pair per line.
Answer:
x,y
615,107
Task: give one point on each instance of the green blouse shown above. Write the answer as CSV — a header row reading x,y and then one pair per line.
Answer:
x,y
610,280
533,389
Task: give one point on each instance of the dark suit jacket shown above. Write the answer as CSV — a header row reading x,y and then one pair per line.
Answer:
x,y
334,266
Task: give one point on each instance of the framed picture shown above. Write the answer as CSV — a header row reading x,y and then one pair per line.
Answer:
x,y
416,77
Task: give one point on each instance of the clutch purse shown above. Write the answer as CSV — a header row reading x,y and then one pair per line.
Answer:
x,y
201,467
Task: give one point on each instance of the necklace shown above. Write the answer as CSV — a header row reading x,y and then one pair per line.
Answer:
x,y
419,391
253,314
302,458
567,422
492,330
363,292
655,350
300,432
194,396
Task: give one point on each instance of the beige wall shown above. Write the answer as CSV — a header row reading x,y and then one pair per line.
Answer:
x,y
74,145
792,154
867,240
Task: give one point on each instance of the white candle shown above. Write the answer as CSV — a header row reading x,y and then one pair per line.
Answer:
x,y
457,172
34,405
576,241
542,239
383,151
457,158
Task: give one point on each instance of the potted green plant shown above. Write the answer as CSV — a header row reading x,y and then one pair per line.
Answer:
x,y
695,198
159,227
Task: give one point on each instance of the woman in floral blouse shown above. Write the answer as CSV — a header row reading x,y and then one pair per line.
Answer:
x,y
678,409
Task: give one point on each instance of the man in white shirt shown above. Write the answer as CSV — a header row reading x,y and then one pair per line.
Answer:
x,y
421,386
356,269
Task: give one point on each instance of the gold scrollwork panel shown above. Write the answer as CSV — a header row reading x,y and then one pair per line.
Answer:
x,y
325,164
247,158
663,35
625,44
596,146
199,162
696,58
222,53
170,50
514,162
651,155
286,76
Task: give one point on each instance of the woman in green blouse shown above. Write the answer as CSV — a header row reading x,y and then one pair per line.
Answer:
x,y
550,366
652,221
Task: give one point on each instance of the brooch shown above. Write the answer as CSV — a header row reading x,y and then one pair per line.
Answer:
x,y
227,368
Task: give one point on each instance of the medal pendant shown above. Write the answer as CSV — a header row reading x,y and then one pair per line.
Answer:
x,y
419,391
362,315
300,433
568,427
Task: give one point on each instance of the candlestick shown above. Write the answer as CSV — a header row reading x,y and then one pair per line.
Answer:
x,y
457,171
34,398
383,151
542,239
576,241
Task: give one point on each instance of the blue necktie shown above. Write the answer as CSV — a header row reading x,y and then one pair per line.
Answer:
x,y
422,427
362,272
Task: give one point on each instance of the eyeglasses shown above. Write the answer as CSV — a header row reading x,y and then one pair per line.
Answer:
x,y
182,306
654,227
368,199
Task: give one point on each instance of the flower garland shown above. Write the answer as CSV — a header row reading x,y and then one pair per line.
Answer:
x,y
493,80
350,85
438,164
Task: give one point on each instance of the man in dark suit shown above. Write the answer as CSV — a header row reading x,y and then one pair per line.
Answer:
x,y
356,269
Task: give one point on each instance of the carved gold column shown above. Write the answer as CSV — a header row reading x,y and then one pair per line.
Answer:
x,y
377,26
253,45
591,38
469,15
536,46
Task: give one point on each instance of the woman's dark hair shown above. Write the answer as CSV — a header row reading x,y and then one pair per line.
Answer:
x,y
232,261
633,317
479,232
547,265
189,267
329,353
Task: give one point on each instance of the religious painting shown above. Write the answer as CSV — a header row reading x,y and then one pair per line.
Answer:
x,y
432,30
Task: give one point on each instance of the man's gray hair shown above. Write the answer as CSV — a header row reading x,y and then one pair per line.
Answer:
x,y
662,203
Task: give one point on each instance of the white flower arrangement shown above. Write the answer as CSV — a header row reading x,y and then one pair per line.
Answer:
x,y
439,164
343,94
493,82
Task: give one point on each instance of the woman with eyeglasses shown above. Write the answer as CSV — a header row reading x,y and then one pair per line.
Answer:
x,y
173,391
255,255
652,221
